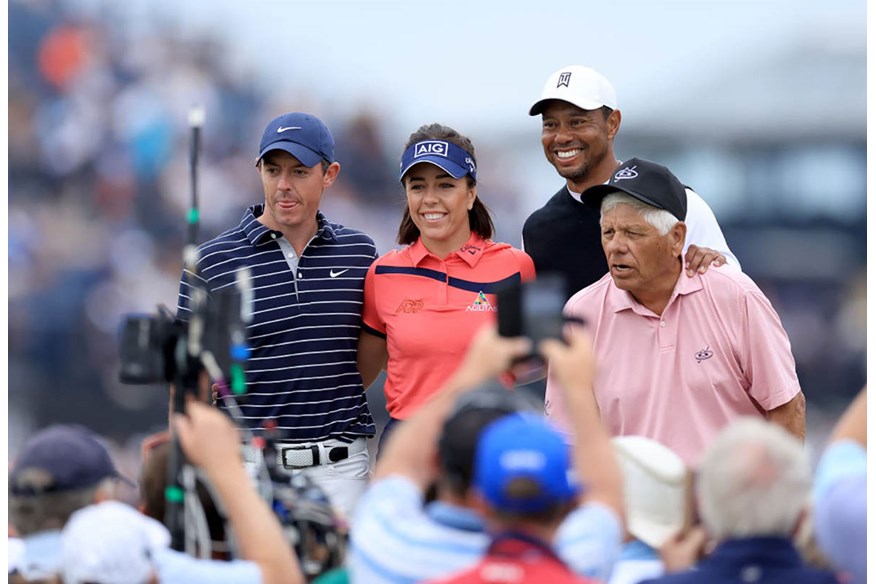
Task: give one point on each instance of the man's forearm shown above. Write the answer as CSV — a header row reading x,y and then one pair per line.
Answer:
x,y
791,416
594,454
410,448
256,528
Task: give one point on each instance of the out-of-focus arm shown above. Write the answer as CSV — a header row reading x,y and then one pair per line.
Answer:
x,y
211,442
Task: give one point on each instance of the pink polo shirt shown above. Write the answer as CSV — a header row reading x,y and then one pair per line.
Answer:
x,y
717,352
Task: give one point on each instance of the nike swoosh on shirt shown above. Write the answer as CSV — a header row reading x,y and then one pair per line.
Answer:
x,y
281,129
334,274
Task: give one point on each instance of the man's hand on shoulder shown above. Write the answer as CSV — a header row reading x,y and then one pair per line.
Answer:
x,y
698,259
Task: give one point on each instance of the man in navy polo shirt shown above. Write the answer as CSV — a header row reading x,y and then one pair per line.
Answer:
x,y
307,275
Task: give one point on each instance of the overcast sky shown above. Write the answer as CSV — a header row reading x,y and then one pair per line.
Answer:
x,y
480,64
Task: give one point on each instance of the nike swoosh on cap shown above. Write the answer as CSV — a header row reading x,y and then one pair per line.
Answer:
x,y
281,129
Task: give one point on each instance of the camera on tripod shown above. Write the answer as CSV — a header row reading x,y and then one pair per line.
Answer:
x,y
162,348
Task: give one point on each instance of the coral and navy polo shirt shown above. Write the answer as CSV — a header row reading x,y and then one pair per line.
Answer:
x,y
428,308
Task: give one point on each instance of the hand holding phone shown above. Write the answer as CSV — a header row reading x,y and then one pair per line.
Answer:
x,y
533,309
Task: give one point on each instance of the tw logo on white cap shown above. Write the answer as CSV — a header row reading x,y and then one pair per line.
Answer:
x,y
564,79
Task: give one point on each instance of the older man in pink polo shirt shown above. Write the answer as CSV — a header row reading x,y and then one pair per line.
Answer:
x,y
678,358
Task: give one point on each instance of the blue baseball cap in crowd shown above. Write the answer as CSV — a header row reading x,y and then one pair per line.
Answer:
x,y
524,446
445,155
61,458
302,135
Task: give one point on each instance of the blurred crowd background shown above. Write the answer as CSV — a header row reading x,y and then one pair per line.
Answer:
x,y
99,187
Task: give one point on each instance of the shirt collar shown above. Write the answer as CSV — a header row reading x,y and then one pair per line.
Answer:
x,y
471,252
637,550
574,195
454,516
42,553
766,551
256,232
621,300
515,544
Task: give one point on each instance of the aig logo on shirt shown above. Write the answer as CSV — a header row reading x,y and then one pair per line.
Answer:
x,y
433,147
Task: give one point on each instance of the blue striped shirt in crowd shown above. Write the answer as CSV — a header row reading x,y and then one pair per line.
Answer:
x,y
305,325
397,539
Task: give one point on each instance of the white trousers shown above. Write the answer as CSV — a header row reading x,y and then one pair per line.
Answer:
x,y
343,481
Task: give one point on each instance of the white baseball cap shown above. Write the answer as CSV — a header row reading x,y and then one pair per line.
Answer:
x,y
655,481
580,86
111,542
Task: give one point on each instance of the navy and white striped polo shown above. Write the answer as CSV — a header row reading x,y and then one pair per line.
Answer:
x,y
305,325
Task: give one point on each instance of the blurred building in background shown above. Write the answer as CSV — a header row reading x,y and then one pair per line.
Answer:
x,y
98,189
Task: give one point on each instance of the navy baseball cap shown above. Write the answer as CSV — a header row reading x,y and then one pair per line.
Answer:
x,y
302,135
524,446
445,155
69,456
646,181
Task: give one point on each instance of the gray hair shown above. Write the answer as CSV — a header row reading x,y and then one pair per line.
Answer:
x,y
34,513
754,480
661,219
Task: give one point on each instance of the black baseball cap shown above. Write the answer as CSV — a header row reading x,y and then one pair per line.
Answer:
x,y
471,413
70,457
648,182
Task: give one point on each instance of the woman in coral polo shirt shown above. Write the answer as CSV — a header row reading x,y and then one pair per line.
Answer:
x,y
424,302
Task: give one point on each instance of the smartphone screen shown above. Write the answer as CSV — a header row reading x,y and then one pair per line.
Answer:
x,y
542,303
533,309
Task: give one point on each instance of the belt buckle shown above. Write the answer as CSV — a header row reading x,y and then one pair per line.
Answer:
x,y
314,452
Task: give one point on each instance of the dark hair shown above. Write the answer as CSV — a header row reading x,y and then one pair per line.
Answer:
x,y
153,483
34,513
527,488
325,163
471,413
479,219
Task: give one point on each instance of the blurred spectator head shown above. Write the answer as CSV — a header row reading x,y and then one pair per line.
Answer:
x,y
471,414
59,470
111,542
754,480
522,470
655,489
153,483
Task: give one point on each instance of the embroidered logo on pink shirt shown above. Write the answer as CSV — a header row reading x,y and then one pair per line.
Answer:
x,y
704,354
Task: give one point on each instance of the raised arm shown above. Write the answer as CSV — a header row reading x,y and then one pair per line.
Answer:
x,y
412,446
211,442
573,366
